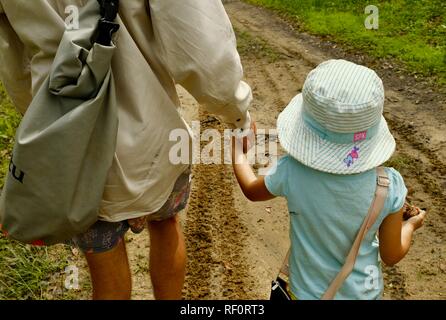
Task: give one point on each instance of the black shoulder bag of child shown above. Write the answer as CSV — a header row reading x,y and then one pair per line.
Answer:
x,y
280,287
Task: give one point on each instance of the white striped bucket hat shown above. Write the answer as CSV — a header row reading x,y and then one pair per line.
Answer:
x,y
336,124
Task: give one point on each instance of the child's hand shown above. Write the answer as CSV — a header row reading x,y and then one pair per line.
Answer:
x,y
409,211
394,241
417,220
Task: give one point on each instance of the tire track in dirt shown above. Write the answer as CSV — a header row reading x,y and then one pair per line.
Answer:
x,y
215,234
420,134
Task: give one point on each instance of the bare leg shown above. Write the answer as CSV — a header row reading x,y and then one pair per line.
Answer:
x,y
110,274
167,259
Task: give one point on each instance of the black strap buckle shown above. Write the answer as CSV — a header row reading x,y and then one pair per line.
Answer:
x,y
107,27
109,9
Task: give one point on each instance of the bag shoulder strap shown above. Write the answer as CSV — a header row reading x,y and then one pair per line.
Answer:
x,y
107,26
382,185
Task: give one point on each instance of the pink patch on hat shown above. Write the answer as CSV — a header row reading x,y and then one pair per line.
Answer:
x,y
359,136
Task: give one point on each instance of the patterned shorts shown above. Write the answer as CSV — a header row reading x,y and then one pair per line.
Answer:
x,y
104,236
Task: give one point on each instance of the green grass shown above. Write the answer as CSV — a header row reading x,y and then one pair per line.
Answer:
x,y
400,162
29,272
410,31
26,272
9,120
249,45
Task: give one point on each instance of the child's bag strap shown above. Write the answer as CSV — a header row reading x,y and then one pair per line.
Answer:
x,y
382,185
285,268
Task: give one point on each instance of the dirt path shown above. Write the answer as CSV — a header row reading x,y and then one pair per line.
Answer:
x,y
417,118
235,247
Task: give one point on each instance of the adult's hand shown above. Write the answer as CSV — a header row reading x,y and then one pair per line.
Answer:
x,y
243,141
250,139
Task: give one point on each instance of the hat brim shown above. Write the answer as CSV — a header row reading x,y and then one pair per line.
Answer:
x,y
306,146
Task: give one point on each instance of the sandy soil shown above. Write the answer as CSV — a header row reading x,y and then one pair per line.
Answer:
x,y
235,247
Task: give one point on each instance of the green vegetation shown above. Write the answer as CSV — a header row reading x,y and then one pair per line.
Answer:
x,y
26,272
9,120
400,162
252,46
410,31
29,272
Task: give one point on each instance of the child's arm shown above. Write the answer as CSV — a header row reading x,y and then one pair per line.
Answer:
x,y
253,187
395,236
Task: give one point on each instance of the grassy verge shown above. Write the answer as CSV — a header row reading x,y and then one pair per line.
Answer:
x,y
27,272
31,273
248,45
410,31
9,120
401,162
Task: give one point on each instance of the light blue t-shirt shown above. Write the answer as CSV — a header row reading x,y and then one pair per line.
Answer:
x,y
326,212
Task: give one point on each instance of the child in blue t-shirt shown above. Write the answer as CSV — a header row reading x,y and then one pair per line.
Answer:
x,y
335,137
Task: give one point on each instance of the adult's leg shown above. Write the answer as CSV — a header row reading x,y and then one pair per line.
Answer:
x,y
167,258
110,274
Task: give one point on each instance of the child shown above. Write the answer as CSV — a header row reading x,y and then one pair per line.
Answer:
x,y
335,137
